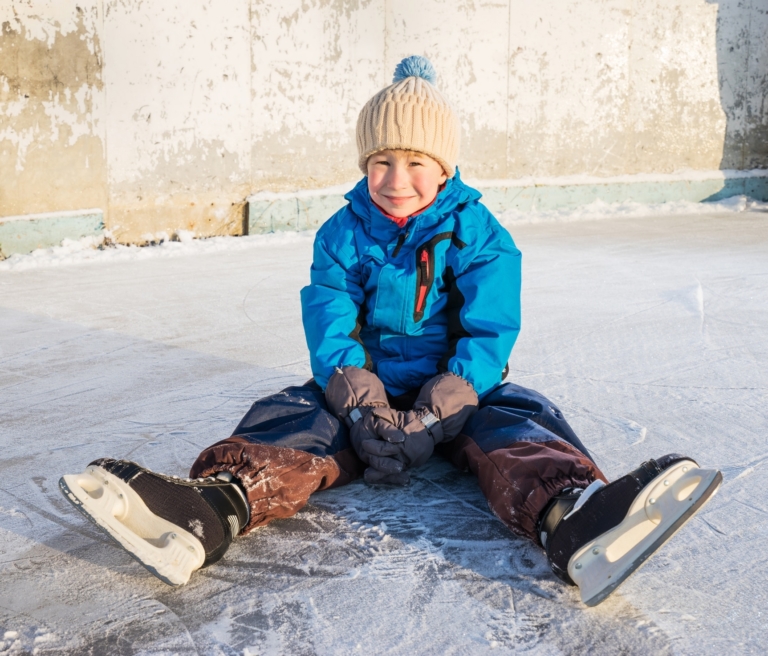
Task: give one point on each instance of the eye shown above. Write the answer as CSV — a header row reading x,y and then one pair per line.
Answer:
x,y
415,164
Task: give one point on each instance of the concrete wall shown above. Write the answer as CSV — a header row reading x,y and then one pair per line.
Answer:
x,y
52,145
167,115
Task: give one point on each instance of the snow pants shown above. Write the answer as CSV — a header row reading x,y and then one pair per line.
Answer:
x,y
289,445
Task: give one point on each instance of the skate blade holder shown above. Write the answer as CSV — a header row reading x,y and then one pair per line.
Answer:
x,y
661,508
168,551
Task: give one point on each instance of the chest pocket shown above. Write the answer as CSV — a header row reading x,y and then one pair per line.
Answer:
x,y
425,270
392,290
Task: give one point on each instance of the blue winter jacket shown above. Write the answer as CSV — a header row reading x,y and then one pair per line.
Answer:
x,y
441,294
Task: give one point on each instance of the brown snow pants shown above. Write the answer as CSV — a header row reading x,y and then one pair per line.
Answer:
x,y
289,446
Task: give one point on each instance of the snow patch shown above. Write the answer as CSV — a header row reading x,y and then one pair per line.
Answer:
x,y
35,640
747,472
101,249
196,526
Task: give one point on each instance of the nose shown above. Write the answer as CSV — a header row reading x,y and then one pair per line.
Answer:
x,y
397,176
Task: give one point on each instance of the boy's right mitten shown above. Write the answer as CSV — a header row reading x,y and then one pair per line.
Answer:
x,y
352,395
443,406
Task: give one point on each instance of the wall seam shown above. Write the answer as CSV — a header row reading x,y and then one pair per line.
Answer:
x,y
108,188
747,89
251,91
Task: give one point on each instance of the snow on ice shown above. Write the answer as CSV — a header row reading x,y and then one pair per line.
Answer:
x,y
650,330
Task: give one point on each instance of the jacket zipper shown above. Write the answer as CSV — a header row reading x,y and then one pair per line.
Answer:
x,y
425,263
423,280
400,241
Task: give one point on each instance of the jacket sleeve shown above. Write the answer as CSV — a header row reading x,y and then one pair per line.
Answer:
x,y
330,309
484,310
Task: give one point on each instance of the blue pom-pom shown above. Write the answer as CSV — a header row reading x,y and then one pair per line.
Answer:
x,y
415,66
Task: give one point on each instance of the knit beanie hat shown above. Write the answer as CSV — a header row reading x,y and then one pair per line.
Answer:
x,y
410,114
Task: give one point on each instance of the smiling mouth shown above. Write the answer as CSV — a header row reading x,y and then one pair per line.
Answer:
x,y
398,200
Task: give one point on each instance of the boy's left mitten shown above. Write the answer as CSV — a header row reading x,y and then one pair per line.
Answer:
x,y
443,406
352,395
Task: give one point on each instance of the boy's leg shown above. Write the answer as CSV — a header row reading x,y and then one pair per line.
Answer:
x,y
539,481
523,453
287,447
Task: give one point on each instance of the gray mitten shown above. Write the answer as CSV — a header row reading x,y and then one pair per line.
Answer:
x,y
451,400
352,395
443,406
406,437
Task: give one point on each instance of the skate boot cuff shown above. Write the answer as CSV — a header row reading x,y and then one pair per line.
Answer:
x,y
559,506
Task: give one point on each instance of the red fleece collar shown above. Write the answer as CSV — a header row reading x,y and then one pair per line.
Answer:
x,y
402,220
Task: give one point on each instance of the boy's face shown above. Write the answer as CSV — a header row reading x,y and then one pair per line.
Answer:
x,y
402,182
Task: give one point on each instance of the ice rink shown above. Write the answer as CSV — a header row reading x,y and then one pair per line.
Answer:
x,y
650,332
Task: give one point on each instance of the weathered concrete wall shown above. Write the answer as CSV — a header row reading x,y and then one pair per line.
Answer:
x,y
52,145
624,88
742,64
178,115
315,63
168,114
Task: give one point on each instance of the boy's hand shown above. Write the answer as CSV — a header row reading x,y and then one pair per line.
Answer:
x,y
352,391
391,441
442,408
406,437
451,400
352,395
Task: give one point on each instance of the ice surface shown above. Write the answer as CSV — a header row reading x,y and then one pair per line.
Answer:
x,y
650,332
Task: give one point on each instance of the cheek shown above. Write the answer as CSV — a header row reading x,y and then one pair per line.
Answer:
x,y
426,185
375,181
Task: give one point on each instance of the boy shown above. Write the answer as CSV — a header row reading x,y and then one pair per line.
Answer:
x,y
410,317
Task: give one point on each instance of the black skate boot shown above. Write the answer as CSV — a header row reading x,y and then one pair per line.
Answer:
x,y
595,538
172,526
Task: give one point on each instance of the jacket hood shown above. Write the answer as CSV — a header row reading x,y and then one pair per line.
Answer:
x,y
454,193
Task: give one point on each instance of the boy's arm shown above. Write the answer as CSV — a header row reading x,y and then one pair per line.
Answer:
x,y
330,308
484,311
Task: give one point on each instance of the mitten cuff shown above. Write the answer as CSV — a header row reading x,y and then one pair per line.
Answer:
x,y
351,388
451,399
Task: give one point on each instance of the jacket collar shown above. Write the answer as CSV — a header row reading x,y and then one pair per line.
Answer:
x,y
455,193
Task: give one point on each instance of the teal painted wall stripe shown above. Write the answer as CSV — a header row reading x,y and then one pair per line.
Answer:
x,y
310,212
23,234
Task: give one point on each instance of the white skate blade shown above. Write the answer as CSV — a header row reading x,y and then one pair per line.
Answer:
x,y
661,508
165,549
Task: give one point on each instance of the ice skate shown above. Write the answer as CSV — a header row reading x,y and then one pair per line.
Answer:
x,y
597,537
172,526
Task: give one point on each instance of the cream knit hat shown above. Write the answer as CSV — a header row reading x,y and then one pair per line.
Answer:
x,y
410,114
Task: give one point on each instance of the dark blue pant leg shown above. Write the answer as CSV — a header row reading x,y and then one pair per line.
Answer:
x,y
511,413
296,418
523,452
287,447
